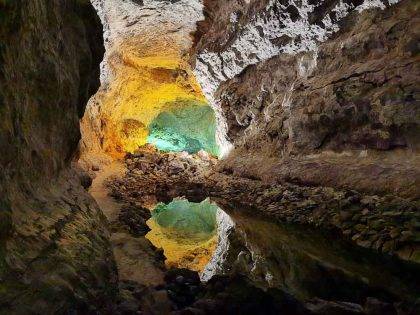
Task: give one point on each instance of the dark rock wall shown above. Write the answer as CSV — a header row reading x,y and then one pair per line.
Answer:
x,y
54,250
49,68
336,107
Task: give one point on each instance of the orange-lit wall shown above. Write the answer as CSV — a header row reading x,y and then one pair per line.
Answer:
x,y
145,82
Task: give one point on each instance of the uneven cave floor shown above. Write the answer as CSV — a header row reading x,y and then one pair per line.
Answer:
x,y
126,190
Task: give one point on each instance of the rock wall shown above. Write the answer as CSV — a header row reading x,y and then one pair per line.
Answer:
x,y
144,73
54,251
315,92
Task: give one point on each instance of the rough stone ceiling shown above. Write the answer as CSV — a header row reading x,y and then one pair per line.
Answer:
x,y
152,25
159,33
288,27
145,69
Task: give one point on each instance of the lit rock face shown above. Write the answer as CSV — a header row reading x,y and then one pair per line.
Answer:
x,y
186,231
51,261
144,72
147,24
274,28
223,255
320,92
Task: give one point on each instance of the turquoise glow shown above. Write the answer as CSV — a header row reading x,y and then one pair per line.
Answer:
x,y
190,218
190,127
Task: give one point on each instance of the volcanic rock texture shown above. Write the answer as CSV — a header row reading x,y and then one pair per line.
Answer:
x,y
54,252
145,72
315,92
318,120
314,96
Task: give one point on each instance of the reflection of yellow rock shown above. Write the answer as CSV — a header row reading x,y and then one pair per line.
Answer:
x,y
181,252
144,84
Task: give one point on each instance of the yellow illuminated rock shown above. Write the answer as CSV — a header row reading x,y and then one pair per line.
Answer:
x,y
180,251
145,82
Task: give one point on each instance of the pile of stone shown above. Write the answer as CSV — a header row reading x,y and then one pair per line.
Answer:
x,y
134,219
154,176
236,295
387,224
184,294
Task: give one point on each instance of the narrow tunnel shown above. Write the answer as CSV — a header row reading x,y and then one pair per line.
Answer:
x,y
209,157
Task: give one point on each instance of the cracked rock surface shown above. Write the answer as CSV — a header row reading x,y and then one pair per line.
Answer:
x,y
336,105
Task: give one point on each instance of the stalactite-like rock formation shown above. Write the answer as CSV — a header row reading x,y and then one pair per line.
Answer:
x,y
51,261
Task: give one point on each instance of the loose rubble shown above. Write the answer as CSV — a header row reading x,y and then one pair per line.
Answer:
x,y
382,223
387,224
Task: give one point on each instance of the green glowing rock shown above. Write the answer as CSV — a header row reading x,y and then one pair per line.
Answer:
x,y
187,217
190,126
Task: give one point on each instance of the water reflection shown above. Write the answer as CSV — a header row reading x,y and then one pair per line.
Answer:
x,y
186,231
302,262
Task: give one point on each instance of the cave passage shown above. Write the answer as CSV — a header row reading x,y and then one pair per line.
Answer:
x,y
197,221
187,232
209,157
152,98
188,126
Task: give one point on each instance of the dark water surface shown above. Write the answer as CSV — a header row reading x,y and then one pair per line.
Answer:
x,y
307,263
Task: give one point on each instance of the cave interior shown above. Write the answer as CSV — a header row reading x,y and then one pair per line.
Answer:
x,y
209,157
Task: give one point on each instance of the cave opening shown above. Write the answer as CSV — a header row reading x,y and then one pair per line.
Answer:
x,y
149,100
150,119
189,127
149,93
239,157
151,140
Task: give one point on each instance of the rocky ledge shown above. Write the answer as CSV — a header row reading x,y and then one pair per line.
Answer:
x,y
387,224
382,224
